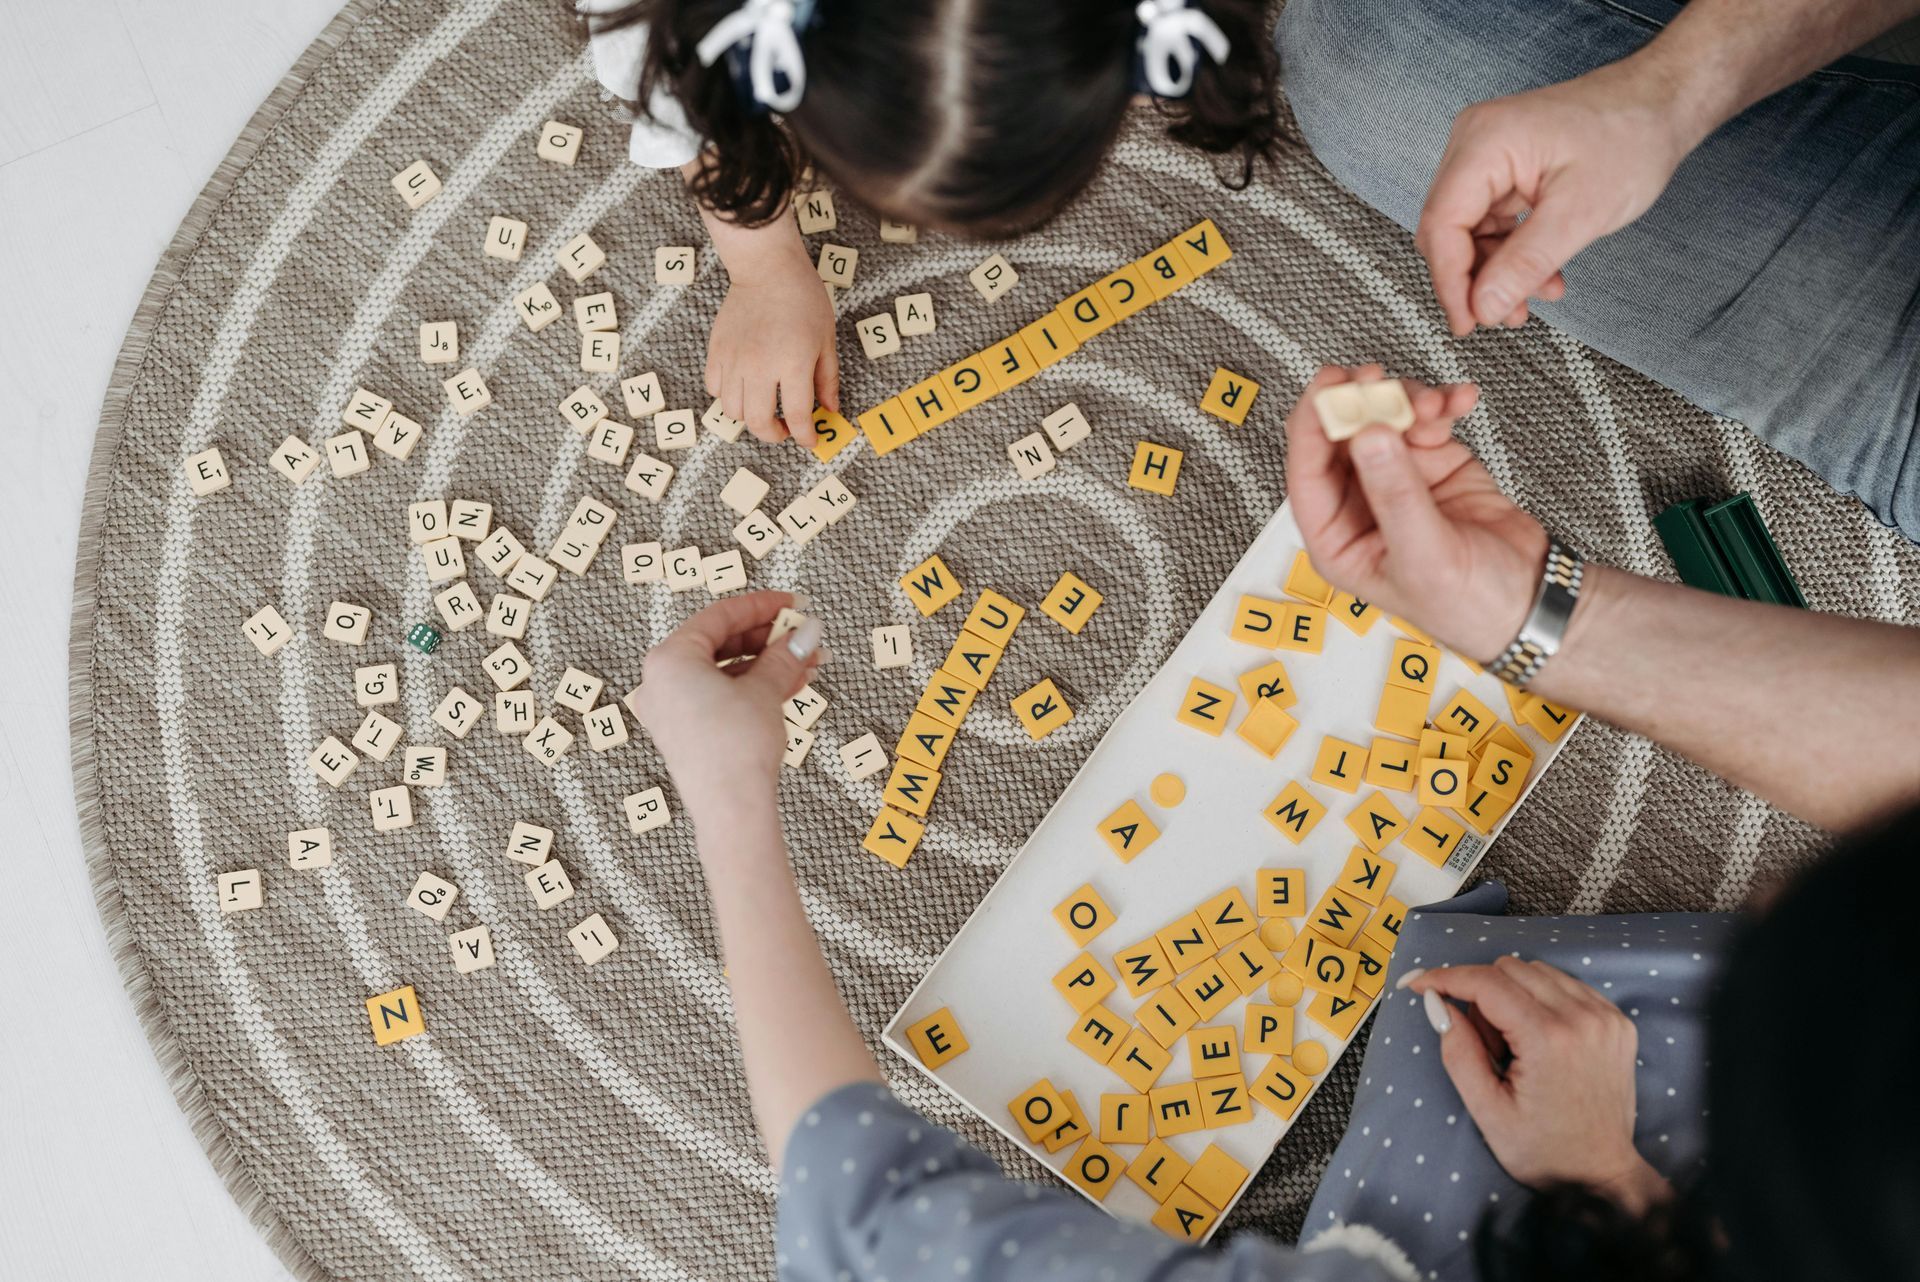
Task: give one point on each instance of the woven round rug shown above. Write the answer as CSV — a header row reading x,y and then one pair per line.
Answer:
x,y
559,1120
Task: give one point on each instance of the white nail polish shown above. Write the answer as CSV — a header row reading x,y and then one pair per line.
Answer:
x,y
1408,978
1437,1013
805,640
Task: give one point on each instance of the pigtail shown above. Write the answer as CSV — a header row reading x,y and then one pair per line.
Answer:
x,y
752,161
1233,107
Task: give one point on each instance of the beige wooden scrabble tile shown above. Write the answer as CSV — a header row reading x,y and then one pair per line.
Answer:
x,y
472,949
309,848
648,476
600,353
1032,457
913,314
674,265
440,342
804,708
815,212
267,630
784,622
879,336
683,569
295,459
715,420
506,238
675,430
647,810
424,767
347,453
893,233
333,761
994,278
433,896
802,520
444,559
498,551
578,690
508,667
376,685
548,884
207,472
863,756
743,491
467,392
573,551
459,607
397,436
530,843
346,622
532,577
241,891
592,518
609,442
837,265
799,744
513,712
377,737
427,520
593,939
417,184
537,307
833,494
1066,427
724,572
595,313
458,713
892,646
548,741
643,395
604,727
580,258
559,142
470,519
643,563
1345,408
757,534
365,410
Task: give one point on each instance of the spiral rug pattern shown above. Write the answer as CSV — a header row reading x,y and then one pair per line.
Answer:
x,y
565,1121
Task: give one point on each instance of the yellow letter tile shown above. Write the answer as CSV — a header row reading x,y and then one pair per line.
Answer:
x,y
1158,1170
1124,1119
1339,764
1365,876
1084,982
1143,967
1156,468
1270,682
1303,628
1280,892
893,837
1176,1108
1433,836
1083,914
937,1038
1402,711
1294,812
1128,831
1229,396
1206,706
1071,603
930,585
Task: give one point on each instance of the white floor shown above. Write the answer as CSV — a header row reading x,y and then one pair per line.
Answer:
x,y
113,114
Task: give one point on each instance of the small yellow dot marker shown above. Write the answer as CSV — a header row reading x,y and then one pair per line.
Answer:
x,y
1168,791
1285,989
1310,1057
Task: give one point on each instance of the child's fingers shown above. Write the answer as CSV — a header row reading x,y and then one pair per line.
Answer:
x,y
1315,471
709,631
759,405
796,404
733,397
826,378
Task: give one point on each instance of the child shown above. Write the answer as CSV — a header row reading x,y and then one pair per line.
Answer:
x,y
978,117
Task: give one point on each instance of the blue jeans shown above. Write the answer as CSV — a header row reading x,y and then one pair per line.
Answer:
x,y
1777,280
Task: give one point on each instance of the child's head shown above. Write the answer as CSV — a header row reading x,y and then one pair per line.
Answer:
x,y
978,116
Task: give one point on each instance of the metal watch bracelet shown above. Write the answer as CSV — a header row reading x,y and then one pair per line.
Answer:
x,y
1546,623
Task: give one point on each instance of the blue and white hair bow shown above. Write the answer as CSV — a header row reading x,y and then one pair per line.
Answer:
x,y
1172,37
769,31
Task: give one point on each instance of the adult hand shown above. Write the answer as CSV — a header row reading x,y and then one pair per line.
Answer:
x,y
1561,1105
1528,181
720,728
1413,522
771,357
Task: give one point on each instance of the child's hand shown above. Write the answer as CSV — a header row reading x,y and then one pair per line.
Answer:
x,y
1413,522
771,353
720,729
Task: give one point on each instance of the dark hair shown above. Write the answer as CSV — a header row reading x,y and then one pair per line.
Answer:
x,y
1813,1151
985,116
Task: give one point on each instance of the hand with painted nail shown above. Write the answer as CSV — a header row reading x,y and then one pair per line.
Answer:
x,y
719,727
1528,181
1412,521
1545,1065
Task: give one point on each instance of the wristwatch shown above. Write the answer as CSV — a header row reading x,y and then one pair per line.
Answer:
x,y
1546,624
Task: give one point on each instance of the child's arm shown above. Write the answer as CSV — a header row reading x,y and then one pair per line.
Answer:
x,y
770,358
1814,712
722,735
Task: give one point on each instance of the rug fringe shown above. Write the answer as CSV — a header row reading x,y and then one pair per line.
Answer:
x,y
123,944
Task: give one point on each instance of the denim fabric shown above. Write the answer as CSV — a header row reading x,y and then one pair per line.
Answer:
x,y
1777,280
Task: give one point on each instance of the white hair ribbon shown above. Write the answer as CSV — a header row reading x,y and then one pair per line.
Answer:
x,y
766,27
1169,32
